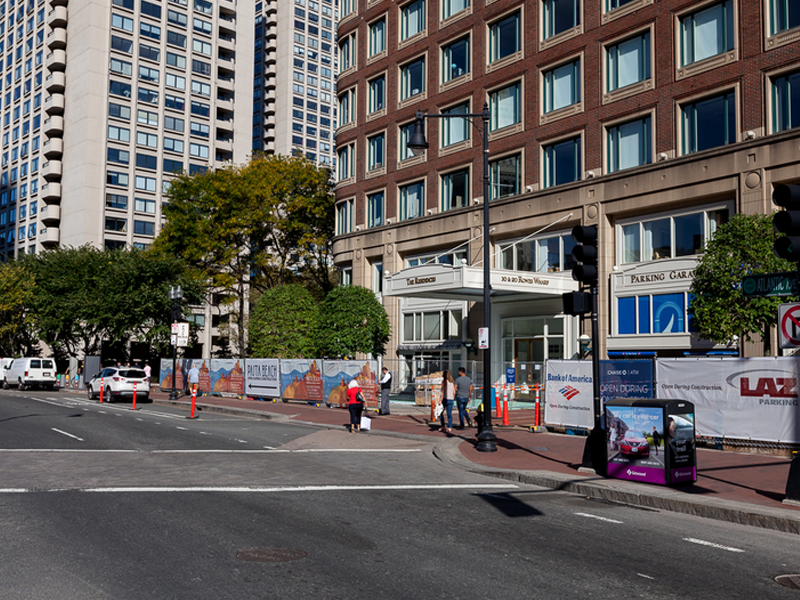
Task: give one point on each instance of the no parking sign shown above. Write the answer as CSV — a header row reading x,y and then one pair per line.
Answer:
x,y
789,325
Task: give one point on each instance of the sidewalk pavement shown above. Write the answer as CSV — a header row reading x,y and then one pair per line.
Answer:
x,y
731,486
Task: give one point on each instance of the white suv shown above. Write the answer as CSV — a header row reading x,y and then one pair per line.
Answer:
x,y
118,382
27,372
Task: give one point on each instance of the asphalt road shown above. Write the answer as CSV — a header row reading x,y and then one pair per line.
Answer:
x,y
98,501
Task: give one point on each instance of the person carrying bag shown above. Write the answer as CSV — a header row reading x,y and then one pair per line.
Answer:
x,y
355,404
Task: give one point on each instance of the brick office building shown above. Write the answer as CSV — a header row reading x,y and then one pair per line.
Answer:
x,y
655,121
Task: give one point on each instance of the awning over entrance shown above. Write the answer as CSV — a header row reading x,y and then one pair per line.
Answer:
x,y
462,282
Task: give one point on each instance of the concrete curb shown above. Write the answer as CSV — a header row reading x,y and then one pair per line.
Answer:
x,y
624,492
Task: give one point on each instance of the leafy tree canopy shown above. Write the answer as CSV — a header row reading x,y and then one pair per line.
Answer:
x,y
352,320
284,323
740,247
16,291
259,225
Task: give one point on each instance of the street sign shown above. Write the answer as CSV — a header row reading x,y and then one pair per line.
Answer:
x,y
789,325
483,338
180,334
511,375
771,284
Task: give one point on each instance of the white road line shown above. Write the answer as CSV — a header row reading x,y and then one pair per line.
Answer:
x,y
242,441
645,576
182,428
75,437
590,516
207,451
269,490
712,545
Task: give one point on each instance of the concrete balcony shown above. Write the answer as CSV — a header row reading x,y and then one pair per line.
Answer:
x,y
226,43
50,192
50,236
58,3
269,146
269,107
54,126
55,82
50,214
56,60
223,145
57,17
269,120
224,104
270,95
224,125
52,170
54,105
225,85
53,148
57,39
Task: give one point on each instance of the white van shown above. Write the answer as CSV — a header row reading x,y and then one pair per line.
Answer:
x,y
27,372
4,364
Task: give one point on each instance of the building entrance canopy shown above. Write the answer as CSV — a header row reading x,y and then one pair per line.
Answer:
x,y
465,283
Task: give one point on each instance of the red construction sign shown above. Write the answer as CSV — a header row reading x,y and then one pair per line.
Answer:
x,y
789,325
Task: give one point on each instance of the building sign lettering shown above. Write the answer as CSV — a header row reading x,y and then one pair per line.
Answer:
x,y
418,280
527,280
656,277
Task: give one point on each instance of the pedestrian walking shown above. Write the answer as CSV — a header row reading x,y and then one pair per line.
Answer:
x,y
354,404
147,372
463,394
656,439
386,386
194,377
448,395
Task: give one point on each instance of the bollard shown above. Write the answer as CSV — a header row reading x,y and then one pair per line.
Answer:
x,y
536,414
194,395
433,405
496,398
134,396
102,386
505,410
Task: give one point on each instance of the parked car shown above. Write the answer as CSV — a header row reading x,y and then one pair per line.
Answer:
x,y
4,364
29,372
634,443
118,382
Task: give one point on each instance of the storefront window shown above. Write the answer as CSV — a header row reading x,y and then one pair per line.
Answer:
x,y
432,326
659,314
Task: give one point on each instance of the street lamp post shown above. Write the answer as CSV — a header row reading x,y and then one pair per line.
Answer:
x,y
175,295
487,440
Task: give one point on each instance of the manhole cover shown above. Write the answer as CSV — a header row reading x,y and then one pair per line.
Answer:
x,y
789,580
271,554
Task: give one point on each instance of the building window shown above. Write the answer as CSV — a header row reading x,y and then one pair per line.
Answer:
x,y
786,102
784,15
559,16
347,107
612,4
344,217
505,106
346,163
505,177
347,53
377,278
412,200
115,178
455,130
628,62
144,228
455,59
376,152
375,209
406,131
670,236
412,79
708,123
412,19
562,162
346,276
432,326
377,94
116,224
629,145
504,37
540,255
707,32
562,86
453,7
656,314
377,37
455,189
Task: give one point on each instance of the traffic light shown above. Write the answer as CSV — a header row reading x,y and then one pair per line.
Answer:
x,y
585,253
787,221
576,303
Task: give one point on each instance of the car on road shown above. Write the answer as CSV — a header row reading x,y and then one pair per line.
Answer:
x,y
119,382
634,444
29,372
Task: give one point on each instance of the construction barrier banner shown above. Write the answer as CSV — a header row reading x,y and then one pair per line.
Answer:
x,y
301,380
742,398
226,376
337,374
262,378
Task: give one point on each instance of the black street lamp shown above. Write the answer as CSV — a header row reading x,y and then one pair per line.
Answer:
x,y
487,440
175,295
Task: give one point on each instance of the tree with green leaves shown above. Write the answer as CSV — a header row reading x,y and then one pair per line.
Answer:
x,y
284,323
353,321
255,226
85,298
719,310
16,291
